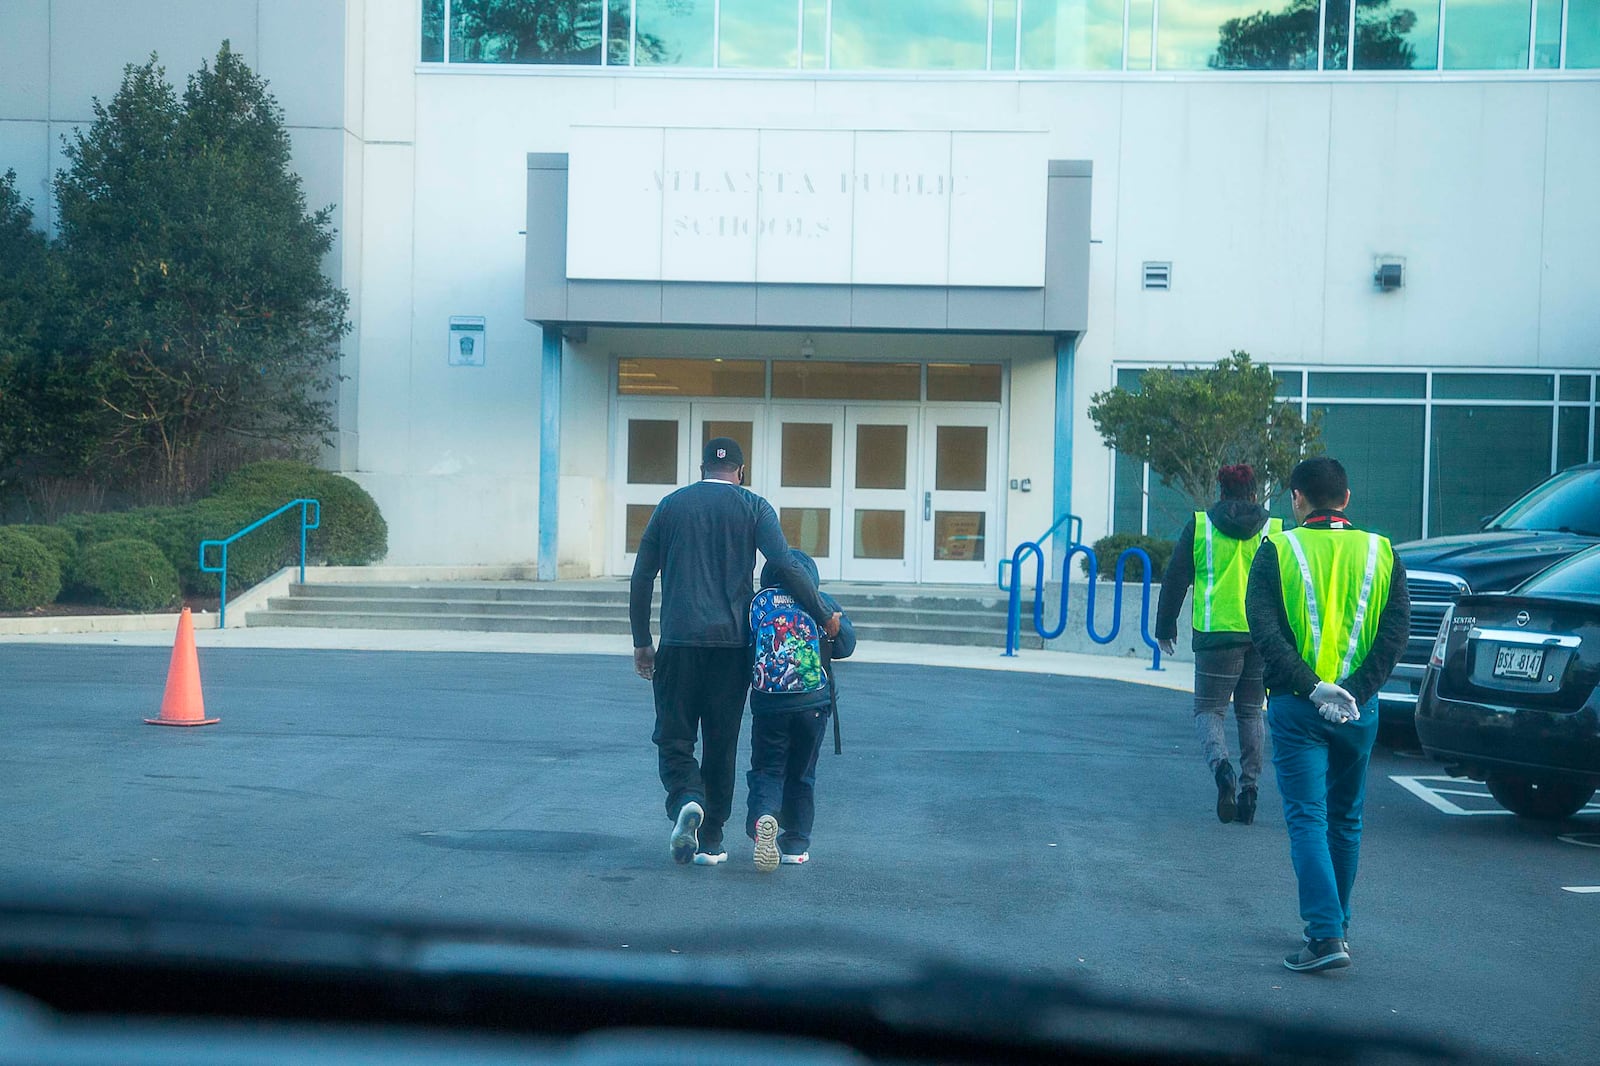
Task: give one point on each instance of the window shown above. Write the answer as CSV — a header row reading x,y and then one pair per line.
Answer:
x,y
1486,35
692,377
1363,386
934,35
1492,386
809,380
1071,35
1576,578
969,382
758,34
1008,35
1482,459
1381,448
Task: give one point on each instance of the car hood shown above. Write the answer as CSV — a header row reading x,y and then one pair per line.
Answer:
x,y
1493,560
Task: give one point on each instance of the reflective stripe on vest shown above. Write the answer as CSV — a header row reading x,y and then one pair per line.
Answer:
x,y
1221,572
1335,585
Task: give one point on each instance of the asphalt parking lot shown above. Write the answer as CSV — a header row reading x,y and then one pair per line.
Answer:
x,y
1058,825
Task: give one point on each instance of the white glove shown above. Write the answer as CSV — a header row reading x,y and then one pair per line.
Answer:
x,y
1334,703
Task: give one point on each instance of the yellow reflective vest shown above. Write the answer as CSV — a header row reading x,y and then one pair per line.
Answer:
x,y
1221,573
1335,586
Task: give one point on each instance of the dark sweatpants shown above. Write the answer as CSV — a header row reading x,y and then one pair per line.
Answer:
x,y
783,773
700,694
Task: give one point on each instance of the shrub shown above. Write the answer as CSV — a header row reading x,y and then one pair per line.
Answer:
x,y
132,575
353,531
115,525
1107,549
58,542
29,574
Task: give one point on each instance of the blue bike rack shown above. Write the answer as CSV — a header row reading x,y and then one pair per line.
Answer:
x,y
1014,613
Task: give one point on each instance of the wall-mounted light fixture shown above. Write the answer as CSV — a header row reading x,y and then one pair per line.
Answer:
x,y
807,349
1389,273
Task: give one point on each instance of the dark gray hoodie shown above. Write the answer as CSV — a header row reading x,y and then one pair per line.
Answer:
x,y
1239,519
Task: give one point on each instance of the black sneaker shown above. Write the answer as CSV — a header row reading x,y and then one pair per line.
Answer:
x,y
1227,789
1247,806
686,833
1305,938
1319,955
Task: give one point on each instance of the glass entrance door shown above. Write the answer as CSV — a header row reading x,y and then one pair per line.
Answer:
x,y
960,492
880,494
804,479
655,458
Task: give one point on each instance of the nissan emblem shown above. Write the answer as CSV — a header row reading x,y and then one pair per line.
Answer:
x,y
1522,618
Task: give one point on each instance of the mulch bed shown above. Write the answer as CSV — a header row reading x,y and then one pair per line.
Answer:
x,y
197,604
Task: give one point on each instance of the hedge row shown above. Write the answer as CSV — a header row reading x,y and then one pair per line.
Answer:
x,y
88,569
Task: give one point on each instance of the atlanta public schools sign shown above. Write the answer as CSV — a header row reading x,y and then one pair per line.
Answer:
x,y
839,207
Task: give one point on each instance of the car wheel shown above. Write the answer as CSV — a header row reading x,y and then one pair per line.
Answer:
x,y
1535,798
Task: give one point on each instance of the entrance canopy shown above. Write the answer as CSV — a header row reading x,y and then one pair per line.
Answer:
x,y
683,232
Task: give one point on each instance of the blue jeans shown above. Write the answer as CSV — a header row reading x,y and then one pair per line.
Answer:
x,y
784,746
1322,776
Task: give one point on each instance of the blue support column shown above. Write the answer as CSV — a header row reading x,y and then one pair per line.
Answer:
x,y
549,451
1061,500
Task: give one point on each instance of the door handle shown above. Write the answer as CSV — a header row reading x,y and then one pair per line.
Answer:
x,y
927,507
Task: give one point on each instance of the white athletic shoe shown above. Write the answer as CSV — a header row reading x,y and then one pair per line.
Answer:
x,y
767,857
686,833
702,858
795,860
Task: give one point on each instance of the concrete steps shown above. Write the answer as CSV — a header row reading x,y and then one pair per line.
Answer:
x,y
923,616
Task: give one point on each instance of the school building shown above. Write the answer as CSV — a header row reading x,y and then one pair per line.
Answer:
x,y
895,247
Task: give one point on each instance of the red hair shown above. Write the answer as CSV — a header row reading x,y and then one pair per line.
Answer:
x,y
1237,482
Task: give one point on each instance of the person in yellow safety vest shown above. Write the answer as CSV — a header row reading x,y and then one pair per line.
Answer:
x,y
1328,611
1213,553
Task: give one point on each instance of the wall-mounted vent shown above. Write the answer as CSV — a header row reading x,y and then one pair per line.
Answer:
x,y
1158,276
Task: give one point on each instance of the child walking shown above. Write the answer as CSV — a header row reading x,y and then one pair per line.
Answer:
x,y
792,696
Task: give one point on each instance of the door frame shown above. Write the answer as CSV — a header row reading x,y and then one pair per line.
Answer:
x,y
832,497
907,499
989,501
622,493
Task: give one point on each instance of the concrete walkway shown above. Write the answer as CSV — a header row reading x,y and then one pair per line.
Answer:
x,y
1176,675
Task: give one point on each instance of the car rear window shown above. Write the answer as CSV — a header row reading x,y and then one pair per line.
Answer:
x,y
1577,578
1570,501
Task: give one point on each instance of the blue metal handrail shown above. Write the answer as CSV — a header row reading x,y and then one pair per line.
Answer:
x,y
310,518
1074,536
1014,613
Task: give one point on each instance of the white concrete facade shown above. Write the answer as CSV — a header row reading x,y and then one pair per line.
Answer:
x,y
1270,194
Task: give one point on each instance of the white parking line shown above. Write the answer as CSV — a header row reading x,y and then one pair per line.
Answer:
x,y
1433,789
1581,889
1434,796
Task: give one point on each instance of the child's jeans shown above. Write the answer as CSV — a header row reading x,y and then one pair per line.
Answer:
x,y
784,746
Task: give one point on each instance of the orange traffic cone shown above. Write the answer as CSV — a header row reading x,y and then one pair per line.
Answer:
x,y
182,704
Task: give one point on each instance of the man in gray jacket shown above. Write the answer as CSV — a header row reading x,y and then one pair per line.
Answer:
x,y
702,540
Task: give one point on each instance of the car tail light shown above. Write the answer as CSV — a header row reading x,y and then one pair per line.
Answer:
x,y
1437,658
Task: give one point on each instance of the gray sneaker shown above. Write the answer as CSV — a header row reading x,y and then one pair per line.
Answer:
x,y
1319,955
686,833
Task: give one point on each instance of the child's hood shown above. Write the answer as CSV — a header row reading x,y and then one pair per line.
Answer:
x,y
772,576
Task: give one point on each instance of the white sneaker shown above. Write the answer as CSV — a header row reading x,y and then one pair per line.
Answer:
x,y
702,858
767,858
795,860
686,833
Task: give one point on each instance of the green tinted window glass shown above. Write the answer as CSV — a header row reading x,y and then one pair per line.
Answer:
x,y
759,33
1336,42
619,32
1388,386
1127,499
1071,34
1572,437
1397,35
1236,35
1129,379
1583,34
1483,458
1547,34
674,33
1288,384
1140,15
555,31
927,35
1575,387
1493,386
814,42
1169,509
1381,449
1486,35
1003,36
432,31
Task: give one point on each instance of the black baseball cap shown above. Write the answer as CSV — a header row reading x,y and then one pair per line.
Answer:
x,y
721,451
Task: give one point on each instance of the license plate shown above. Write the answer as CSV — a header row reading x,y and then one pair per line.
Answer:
x,y
1524,663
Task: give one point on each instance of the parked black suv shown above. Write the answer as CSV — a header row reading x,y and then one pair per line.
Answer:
x,y
1554,521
